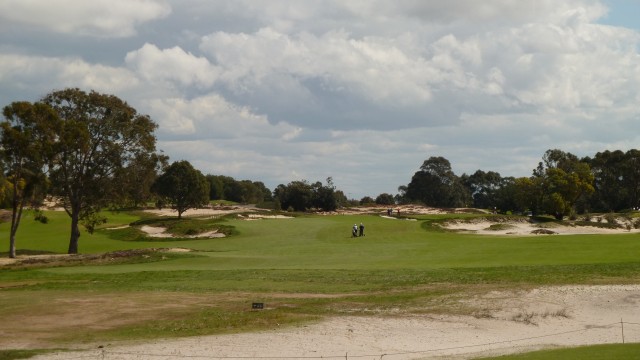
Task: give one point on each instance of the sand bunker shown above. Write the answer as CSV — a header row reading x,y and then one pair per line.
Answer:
x,y
487,227
160,232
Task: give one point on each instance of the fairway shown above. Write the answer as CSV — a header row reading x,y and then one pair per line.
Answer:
x,y
306,268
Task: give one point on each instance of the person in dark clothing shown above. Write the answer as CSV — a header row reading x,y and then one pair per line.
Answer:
x,y
361,229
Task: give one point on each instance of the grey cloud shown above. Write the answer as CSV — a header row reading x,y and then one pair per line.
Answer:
x,y
97,18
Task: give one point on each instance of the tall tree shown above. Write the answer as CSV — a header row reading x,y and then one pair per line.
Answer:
x,y
100,135
27,136
564,179
184,186
435,184
138,177
483,187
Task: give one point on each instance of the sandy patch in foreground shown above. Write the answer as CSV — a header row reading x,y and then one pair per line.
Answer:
x,y
509,322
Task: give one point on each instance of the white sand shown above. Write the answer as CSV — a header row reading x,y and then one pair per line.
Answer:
x,y
525,228
509,322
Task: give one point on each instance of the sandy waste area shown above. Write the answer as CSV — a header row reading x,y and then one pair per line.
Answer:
x,y
508,322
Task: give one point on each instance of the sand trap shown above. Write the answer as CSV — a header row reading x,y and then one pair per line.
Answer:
x,y
213,211
259,217
160,232
526,228
507,322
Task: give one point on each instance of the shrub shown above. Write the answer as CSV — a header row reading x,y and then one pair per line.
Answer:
x,y
610,217
40,217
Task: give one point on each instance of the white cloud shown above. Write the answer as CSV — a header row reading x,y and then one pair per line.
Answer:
x,y
172,65
43,74
99,18
213,117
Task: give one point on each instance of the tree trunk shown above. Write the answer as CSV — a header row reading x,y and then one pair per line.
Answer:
x,y
16,215
75,233
12,246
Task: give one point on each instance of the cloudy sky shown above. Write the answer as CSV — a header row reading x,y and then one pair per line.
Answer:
x,y
362,90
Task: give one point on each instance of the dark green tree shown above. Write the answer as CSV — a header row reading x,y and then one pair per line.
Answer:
x,y
99,136
435,184
483,187
563,180
385,199
27,135
138,177
183,186
367,200
323,197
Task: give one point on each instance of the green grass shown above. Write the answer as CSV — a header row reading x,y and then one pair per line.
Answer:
x,y
20,354
400,263
597,352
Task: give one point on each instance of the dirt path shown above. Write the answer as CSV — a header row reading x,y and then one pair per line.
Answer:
x,y
508,322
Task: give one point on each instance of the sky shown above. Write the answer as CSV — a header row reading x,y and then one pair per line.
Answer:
x,y
360,91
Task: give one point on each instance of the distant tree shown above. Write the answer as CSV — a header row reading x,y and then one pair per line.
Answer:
x,y
324,196
504,196
435,184
483,187
631,177
99,136
385,199
138,177
367,200
27,135
562,179
341,198
294,196
528,194
301,196
183,186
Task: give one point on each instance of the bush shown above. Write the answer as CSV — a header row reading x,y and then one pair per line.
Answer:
x,y
39,216
610,217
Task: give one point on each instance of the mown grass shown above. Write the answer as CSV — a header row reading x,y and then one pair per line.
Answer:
x,y
597,352
303,268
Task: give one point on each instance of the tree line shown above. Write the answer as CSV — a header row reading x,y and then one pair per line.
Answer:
x,y
562,184
92,151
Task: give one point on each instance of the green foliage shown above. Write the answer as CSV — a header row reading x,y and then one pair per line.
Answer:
x,y
183,186
20,354
26,137
435,184
99,137
302,196
385,199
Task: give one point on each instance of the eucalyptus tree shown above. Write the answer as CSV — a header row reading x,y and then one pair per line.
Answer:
x,y
26,135
183,186
435,184
99,136
564,180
